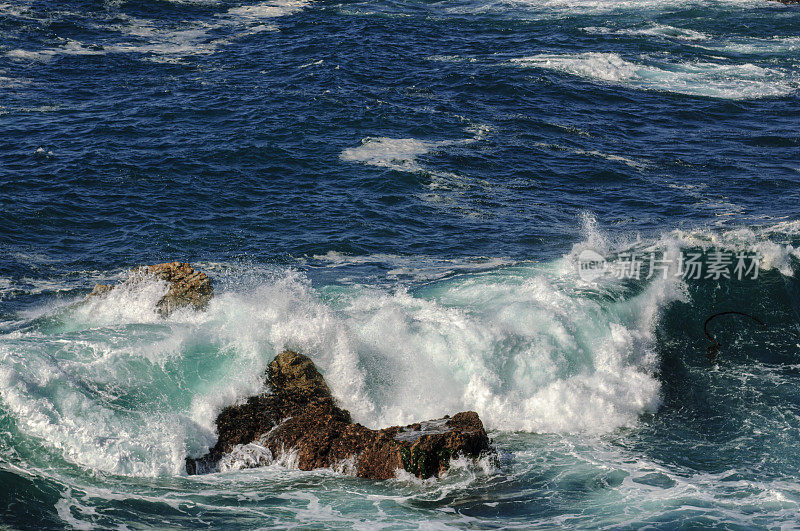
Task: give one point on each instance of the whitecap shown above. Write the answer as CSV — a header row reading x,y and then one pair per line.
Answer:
x,y
656,30
395,153
717,80
112,386
160,42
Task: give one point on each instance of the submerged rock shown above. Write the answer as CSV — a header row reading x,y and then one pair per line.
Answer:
x,y
187,286
301,418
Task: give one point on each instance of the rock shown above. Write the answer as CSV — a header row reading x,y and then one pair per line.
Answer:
x,y
100,289
300,415
187,286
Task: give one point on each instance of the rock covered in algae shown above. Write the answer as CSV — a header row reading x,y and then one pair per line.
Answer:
x,y
301,417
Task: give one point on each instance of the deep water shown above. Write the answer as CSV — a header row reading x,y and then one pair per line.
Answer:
x,y
402,191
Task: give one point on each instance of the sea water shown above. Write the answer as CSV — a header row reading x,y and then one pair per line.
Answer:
x,y
402,191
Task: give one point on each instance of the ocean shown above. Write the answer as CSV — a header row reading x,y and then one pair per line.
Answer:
x,y
448,205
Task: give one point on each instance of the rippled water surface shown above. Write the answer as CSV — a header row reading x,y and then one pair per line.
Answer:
x,y
400,190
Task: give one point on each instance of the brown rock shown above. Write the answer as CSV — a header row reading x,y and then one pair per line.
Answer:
x,y
187,286
293,374
300,415
100,289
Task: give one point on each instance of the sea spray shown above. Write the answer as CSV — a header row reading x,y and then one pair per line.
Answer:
x,y
523,346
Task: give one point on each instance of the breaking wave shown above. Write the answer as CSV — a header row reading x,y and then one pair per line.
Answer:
x,y
717,80
110,385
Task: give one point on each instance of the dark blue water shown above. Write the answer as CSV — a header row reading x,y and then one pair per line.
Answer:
x,y
400,190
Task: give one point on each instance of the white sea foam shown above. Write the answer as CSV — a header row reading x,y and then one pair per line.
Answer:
x,y
549,9
113,386
11,82
755,46
451,59
575,365
5,287
18,9
415,268
133,301
272,9
53,285
49,406
653,488
655,30
150,38
250,455
603,66
594,153
402,154
395,153
157,41
64,508
69,47
383,353
718,80
347,466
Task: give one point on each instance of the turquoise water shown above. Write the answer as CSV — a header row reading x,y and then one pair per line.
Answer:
x,y
403,192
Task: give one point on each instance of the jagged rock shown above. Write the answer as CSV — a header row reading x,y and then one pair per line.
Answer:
x,y
187,286
301,415
100,289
